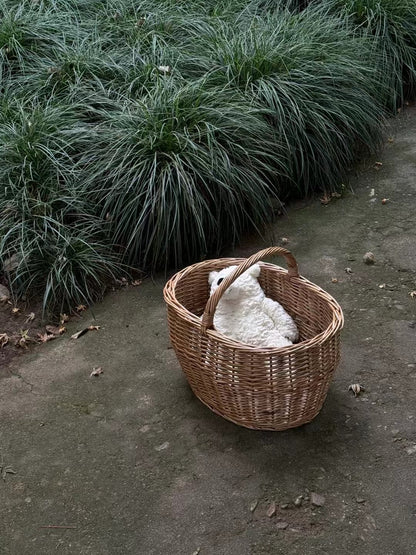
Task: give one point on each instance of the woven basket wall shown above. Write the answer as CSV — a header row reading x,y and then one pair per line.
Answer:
x,y
259,388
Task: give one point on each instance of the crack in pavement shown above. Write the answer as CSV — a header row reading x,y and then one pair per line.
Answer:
x,y
24,380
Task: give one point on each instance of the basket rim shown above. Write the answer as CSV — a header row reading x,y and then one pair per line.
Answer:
x,y
336,324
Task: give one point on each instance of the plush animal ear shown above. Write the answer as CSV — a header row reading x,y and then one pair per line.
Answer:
x,y
254,271
212,276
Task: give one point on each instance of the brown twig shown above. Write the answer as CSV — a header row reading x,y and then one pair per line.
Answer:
x,y
57,526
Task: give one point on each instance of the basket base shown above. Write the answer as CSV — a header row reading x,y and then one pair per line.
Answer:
x,y
263,427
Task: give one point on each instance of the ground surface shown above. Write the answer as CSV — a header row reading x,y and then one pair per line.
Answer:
x,y
19,329
132,462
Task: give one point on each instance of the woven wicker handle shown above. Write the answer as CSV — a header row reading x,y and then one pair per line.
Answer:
x,y
208,315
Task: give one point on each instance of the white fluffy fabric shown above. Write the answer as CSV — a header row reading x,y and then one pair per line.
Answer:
x,y
245,314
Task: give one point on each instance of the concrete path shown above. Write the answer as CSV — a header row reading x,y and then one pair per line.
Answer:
x,y
130,462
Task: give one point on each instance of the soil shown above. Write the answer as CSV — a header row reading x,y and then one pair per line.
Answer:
x,y
26,326
27,318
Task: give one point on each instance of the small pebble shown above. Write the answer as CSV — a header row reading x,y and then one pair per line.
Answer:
x,y
360,500
282,525
271,510
317,500
369,258
284,506
253,505
298,501
163,446
411,450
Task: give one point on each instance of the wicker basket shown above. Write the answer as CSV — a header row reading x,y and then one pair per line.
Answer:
x,y
259,388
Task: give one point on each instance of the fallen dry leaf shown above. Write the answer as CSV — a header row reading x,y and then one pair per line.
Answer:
x,y
379,164
23,339
44,337
412,294
81,308
63,318
79,333
390,140
385,201
334,280
83,331
164,69
30,318
56,330
356,388
6,470
348,270
325,200
15,310
4,339
136,282
97,371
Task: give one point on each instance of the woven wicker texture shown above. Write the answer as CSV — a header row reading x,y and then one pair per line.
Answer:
x,y
259,388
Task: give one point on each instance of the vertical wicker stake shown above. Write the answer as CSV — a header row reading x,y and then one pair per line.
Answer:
x,y
259,388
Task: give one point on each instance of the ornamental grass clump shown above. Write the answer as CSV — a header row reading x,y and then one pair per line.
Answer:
x,y
51,243
155,133
308,73
65,67
181,172
28,28
391,27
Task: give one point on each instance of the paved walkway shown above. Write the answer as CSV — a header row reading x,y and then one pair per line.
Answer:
x,y
131,463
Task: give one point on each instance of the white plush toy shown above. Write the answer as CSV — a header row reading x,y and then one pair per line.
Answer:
x,y
245,314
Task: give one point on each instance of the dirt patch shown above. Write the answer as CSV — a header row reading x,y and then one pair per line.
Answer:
x,y
22,325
